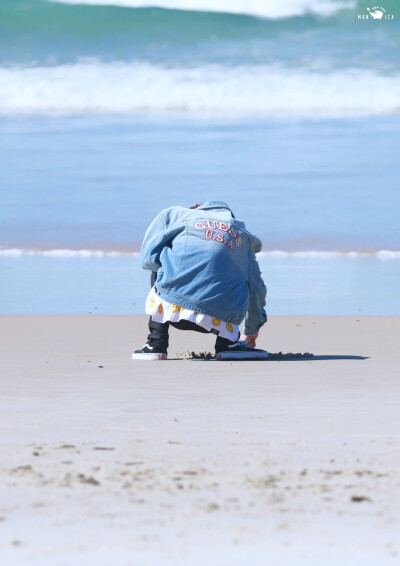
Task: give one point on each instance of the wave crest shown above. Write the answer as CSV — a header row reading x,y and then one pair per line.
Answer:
x,y
273,9
248,90
307,254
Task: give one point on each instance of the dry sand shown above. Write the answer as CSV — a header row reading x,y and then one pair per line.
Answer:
x,y
107,461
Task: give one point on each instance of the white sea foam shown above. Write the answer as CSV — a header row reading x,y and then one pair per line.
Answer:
x,y
306,254
65,253
260,8
388,254
94,87
330,254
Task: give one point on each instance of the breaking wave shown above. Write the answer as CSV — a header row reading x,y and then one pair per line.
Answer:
x,y
309,254
95,87
260,8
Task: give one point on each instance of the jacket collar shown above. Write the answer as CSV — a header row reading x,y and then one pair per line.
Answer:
x,y
211,204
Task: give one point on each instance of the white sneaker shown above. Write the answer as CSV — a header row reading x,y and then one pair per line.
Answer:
x,y
148,352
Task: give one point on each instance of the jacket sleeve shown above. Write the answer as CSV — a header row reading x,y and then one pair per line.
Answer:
x,y
156,237
256,315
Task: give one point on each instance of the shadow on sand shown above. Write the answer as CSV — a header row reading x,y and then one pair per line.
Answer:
x,y
283,358
272,358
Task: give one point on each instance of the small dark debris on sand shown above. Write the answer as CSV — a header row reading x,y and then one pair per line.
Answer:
x,y
208,356
88,479
359,498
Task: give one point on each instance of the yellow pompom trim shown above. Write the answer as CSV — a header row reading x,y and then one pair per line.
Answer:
x,y
153,302
216,321
160,309
196,312
229,327
174,308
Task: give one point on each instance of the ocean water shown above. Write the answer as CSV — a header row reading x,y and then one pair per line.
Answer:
x,y
111,110
117,285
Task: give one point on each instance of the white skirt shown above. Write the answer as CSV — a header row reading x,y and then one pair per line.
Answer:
x,y
162,311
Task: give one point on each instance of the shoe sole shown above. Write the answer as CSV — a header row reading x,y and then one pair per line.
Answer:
x,y
149,357
241,356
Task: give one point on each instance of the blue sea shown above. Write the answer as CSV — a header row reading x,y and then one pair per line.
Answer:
x,y
287,110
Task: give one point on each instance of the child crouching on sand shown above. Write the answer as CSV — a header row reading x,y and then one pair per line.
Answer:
x,y
205,277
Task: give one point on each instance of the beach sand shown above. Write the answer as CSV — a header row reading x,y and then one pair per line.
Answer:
x,y
108,461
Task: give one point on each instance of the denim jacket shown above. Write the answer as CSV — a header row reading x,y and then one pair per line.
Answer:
x,y
205,261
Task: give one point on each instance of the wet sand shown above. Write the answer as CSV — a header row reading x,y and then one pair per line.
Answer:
x,y
108,461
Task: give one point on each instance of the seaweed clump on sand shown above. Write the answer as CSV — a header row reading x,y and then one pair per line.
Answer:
x,y
271,356
194,355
